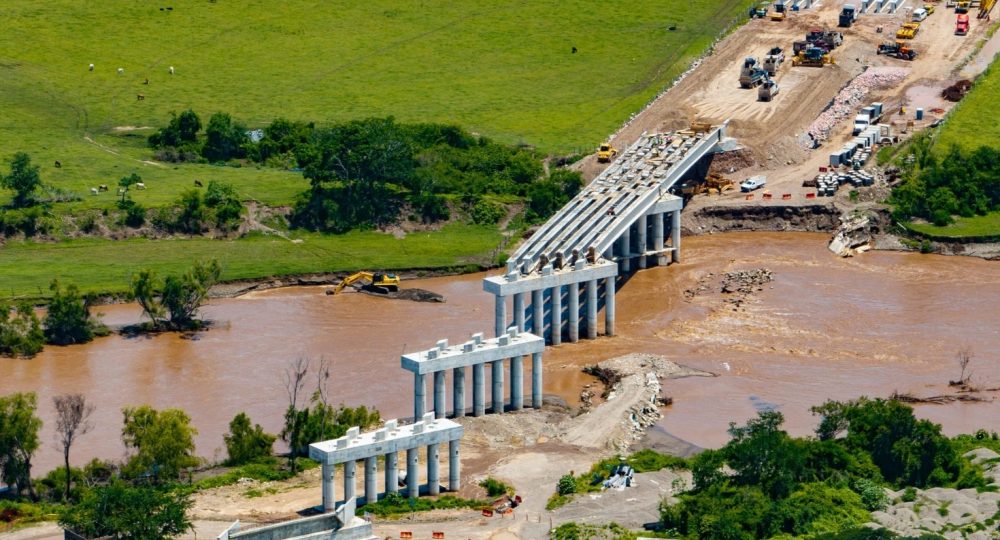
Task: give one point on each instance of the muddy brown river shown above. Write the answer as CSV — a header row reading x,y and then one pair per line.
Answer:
x,y
824,328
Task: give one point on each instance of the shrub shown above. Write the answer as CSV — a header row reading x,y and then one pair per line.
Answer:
x,y
486,212
246,443
20,330
566,485
494,487
68,319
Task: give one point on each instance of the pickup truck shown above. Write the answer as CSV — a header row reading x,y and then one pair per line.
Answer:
x,y
752,183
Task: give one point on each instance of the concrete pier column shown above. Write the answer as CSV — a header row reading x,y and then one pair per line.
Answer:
x,y
517,383
371,491
440,409
675,234
391,472
412,474
657,232
556,316
536,380
433,480
349,481
609,306
498,386
592,309
626,240
573,312
454,466
500,315
537,313
329,492
478,390
640,239
519,311
419,389
458,391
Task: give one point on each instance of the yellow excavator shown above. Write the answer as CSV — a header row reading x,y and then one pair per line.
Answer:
x,y
379,282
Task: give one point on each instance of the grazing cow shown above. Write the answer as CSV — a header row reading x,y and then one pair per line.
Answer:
x,y
121,71
140,185
102,187
574,50
93,191
58,165
197,183
140,97
121,191
146,81
91,67
170,70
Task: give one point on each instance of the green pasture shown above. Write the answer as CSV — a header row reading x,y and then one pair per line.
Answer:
x,y
963,227
102,266
973,122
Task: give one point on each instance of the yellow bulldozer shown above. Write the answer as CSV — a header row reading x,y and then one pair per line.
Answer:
x,y
908,30
379,282
606,152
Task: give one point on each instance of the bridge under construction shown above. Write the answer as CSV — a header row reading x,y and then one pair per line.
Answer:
x,y
561,277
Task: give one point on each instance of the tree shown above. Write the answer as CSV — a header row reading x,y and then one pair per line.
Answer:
x,y
225,202
182,131
125,183
18,440
68,319
23,180
72,421
245,443
193,214
963,357
163,441
763,455
143,290
295,380
121,511
20,330
176,300
224,139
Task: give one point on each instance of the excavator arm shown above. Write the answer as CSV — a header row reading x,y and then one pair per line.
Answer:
x,y
352,279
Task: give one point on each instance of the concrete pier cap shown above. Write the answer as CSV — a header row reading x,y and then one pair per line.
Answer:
x,y
476,351
390,438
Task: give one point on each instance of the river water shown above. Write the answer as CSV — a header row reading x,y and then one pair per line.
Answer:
x,y
824,328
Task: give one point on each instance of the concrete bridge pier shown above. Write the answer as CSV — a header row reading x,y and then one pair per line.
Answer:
x,y
497,394
518,313
412,474
458,391
454,466
592,309
433,480
573,311
439,390
371,491
536,380
658,239
640,226
557,325
329,494
537,313
419,388
478,390
392,472
609,306
500,314
626,249
350,482
675,235
517,383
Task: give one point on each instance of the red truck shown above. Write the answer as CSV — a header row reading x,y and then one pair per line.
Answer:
x,y
962,24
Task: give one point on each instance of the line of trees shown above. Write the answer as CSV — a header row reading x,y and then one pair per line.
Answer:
x,y
67,321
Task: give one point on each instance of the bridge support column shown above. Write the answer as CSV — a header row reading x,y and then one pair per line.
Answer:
x,y
592,309
675,234
440,409
412,474
573,311
419,388
556,323
536,380
658,237
518,312
391,472
626,249
640,239
350,469
433,479
458,391
329,493
517,383
497,386
537,313
609,306
500,315
478,389
371,491
454,478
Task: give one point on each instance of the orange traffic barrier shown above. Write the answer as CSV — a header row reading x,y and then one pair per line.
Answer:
x,y
406,534
822,169
437,534
786,196
750,197
487,512
767,196
810,195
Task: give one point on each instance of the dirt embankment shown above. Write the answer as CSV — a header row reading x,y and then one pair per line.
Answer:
x,y
801,218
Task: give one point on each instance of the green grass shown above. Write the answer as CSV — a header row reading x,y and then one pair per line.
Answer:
x,y
101,266
976,226
501,69
973,121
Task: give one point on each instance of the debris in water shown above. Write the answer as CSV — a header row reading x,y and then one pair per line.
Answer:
x,y
416,295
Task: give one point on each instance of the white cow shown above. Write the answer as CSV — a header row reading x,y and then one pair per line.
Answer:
x,y
121,71
91,67
171,70
140,185
93,191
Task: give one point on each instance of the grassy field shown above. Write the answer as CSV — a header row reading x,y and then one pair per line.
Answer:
x,y
104,266
988,225
973,123
501,69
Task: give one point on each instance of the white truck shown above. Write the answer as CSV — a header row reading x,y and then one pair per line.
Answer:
x,y
868,116
752,183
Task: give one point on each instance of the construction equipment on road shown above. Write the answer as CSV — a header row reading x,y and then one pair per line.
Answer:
x,y
984,9
506,504
961,24
606,152
847,16
908,30
898,49
379,282
750,74
767,90
867,116
780,11
812,57
714,184
825,39
759,11
773,59
622,476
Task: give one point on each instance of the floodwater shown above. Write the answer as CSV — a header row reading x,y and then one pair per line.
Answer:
x,y
824,328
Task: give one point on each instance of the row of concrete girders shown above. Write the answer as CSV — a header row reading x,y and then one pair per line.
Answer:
x,y
387,442
477,353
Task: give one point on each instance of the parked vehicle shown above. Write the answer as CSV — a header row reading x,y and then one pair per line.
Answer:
x,y
752,183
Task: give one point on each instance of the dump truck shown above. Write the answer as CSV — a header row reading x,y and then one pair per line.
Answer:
x,y
897,50
908,30
606,153
826,39
961,24
773,60
812,57
767,90
847,16
780,11
750,74
867,116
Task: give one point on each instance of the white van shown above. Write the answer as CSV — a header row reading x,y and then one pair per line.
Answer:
x,y
919,15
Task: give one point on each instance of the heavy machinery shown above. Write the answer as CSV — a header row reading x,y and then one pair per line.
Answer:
x,y
606,153
898,50
768,90
379,282
908,30
812,57
825,39
713,185
984,9
961,24
750,74
759,11
847,16
773,60
780,11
